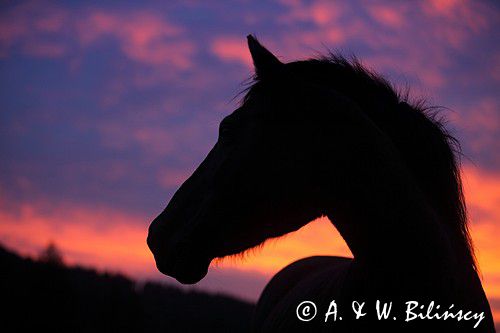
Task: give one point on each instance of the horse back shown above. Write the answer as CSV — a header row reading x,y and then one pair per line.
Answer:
x,y
303,280
326,279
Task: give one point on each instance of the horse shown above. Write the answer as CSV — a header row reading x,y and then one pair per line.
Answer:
x,y
328,137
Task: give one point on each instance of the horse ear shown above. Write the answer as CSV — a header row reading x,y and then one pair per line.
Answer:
x,y
264,61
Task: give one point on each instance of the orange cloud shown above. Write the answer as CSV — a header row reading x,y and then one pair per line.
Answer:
x,y
106,238
100,238
317,238
482,192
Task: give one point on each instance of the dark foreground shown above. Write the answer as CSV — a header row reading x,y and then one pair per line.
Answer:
x,y
41,295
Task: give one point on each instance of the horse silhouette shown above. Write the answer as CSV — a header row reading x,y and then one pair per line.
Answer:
x,y
327,137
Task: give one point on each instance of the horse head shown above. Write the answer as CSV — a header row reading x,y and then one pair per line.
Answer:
x,y
299,147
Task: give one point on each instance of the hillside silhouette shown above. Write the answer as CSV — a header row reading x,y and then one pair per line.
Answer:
x,y
46,294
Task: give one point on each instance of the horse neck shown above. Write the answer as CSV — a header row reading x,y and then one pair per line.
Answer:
x,y
385,218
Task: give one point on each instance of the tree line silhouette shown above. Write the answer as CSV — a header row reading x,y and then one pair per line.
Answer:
x,y
46,294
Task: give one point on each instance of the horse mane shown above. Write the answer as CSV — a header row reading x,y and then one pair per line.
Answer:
x,y
418,132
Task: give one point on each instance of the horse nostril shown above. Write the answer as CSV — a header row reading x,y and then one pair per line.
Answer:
x,y
149,241
154,244
155,235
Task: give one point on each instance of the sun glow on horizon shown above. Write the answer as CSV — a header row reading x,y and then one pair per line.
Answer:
x,y
110,240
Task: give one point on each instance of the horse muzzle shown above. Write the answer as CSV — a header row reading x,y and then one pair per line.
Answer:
x,y
180,259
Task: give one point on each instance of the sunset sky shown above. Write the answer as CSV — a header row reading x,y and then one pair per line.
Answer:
x,y
107,107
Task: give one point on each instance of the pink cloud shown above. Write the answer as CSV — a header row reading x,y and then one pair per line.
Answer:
x,y
157,141
53,21
44,49
482,123
172,178
144,37
321,13
392,50
10,31
456,22
407,47
471,14
484,117
232,49
495,70
388,16
31,25
324,12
